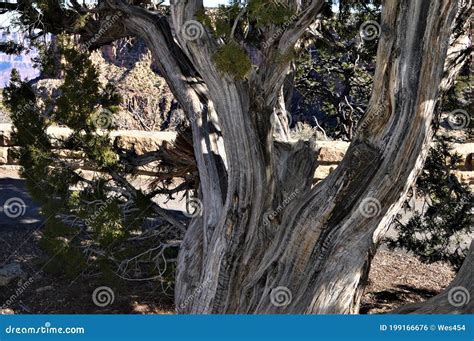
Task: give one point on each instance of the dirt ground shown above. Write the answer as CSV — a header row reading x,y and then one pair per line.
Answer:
x,y
45,293
395,279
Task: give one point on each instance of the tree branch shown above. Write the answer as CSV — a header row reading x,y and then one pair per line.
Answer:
x,y
299,26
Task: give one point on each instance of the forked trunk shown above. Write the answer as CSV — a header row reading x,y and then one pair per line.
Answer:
x,y
266,240
281,246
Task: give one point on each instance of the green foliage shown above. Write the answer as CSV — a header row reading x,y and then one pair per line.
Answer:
x,y
334,78
220,22
20,100
10,47
82,82
81,213
437,234
60,242
258,14
47,60
232,60
204,18
268,12
41,17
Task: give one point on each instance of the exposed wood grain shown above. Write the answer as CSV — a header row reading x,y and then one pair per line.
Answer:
x,y
263,228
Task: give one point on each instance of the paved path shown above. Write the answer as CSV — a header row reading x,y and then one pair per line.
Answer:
x,y
16,205
17,209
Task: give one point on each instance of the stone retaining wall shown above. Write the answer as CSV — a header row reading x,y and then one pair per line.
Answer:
x,y
331,154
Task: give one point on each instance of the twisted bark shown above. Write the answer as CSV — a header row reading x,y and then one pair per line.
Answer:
x,y
318,248
267,241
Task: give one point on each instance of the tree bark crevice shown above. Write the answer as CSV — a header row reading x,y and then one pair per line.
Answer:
x,y
319,243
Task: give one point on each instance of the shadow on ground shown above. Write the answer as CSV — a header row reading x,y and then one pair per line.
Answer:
x,y
16,206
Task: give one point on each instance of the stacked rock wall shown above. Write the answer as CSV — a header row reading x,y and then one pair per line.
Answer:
x,y
330,156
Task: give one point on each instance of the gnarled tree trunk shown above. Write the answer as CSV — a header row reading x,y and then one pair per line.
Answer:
x,y
314,254
267,241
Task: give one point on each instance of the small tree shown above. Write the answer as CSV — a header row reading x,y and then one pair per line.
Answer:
x,y
334,75
438,232
101,220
